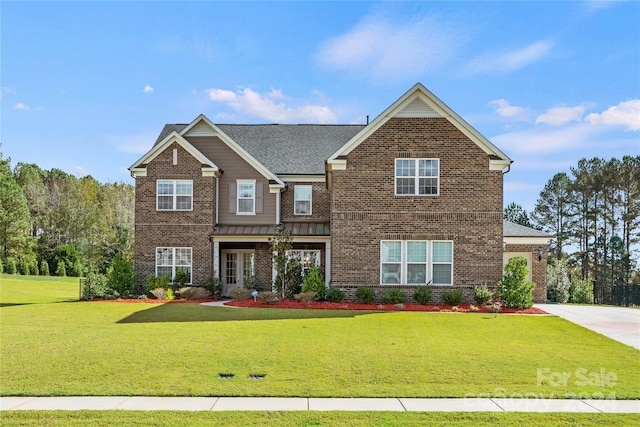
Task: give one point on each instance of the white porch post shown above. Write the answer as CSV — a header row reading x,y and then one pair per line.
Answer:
x,y
327,263
216,258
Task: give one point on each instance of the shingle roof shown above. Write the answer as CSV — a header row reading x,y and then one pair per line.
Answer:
x,y
285,149
291,149
511,229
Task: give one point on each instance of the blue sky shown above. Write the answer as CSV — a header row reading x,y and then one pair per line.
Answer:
x,y
87,86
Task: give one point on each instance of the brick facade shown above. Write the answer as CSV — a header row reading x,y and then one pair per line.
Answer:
x,y
320,202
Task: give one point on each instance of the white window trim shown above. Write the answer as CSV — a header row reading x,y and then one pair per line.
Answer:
x,y
404,263
416,177
301,252
174,195
238,198
173,261
310,200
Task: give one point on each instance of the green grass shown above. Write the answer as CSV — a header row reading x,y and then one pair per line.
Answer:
x,y
309,419
107,348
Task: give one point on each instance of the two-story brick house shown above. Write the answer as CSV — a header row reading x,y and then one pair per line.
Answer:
x,y
412,198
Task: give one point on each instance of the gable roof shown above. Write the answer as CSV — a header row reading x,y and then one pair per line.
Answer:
x,y
420,102
139,167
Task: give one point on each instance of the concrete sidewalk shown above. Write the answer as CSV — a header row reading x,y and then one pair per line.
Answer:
x,y
140,403
619,323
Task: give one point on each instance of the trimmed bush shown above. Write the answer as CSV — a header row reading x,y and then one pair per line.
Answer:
x,y
95,286
61,270
44,268
305,297
122,279
268,297
154,282
214,286
170,295
422,295
194,293
482,295
335,295
393,296
238,294
180,280
1,267
365,294
313,282
11,266
33,268
452,297
514,289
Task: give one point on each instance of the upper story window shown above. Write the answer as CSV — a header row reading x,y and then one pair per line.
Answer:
x,y
174,195
417,177
302,199
246,197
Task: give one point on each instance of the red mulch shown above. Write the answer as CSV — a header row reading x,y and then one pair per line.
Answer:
x,y
317,305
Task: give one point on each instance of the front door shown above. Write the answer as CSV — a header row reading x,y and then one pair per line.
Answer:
x,y
237,269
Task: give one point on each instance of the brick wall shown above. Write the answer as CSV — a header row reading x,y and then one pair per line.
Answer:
x,y
320,203
365,210
174,228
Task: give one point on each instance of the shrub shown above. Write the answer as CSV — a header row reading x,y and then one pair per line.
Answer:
x,y
44,268
159,293
335,295
581,291
482,295
558,283
122,279
240,294
422,295
23,267
11,266
180,280
313,282
1,267
194,293
61,270
154,282
170,295
452,297
514,289
95,286
33,268
268,297
214,286
473,308
393,296
306,297
365,294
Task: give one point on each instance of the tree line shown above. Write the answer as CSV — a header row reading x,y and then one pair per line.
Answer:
x,y
52,222
593,216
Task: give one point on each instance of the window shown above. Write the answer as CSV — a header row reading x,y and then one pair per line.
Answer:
x,y
170,260
302,199
246,197
416,262
417,177
306,258
174,195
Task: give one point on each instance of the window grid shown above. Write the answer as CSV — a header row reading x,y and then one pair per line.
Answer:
x,y
417,177
302,199
170,260
246,198
306,258
416,262
174,195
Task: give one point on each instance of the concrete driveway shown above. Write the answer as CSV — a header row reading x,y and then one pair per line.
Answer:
x,y
619,323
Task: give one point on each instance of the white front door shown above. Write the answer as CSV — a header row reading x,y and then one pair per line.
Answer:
x,y
237,268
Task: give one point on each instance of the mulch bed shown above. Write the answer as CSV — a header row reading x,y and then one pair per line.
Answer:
x,y
317,305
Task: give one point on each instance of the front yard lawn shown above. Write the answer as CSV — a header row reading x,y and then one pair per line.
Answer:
x,y
107,348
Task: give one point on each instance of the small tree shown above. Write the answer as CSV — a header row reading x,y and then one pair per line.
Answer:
x,y
514,289
280,243
11,266
122,279
581,291
558,281
44,268
61,270
313,282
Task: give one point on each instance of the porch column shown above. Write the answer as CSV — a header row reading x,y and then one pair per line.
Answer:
x,y
215,247
327,262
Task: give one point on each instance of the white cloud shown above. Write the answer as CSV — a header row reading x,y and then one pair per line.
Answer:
x,y
21,106
5,90
380,46
504,62
626,113
148,89
544,140
80,171
271,106
511,112
134,143
560,115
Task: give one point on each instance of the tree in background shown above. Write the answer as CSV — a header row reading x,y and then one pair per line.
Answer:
x,y
14,216
553,211
516,213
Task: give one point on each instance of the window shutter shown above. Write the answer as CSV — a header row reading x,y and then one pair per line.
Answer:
x,y
259,198
233,189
